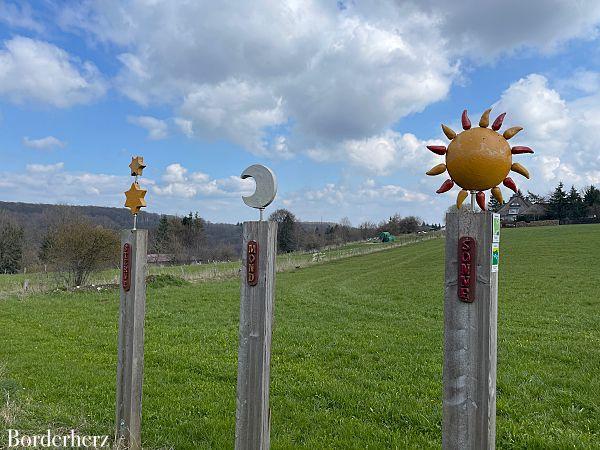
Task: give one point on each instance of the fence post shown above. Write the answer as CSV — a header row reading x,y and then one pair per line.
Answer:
x,y
252,430
470,331
130,365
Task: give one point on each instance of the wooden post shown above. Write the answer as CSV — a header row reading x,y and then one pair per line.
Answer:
x,y
470,331
252,428
130,366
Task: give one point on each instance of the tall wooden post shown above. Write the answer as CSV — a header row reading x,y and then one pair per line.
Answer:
x,y
130,366
470,331
252,427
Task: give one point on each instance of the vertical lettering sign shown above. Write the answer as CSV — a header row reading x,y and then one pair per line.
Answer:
x,y
126,268
467,269
252,263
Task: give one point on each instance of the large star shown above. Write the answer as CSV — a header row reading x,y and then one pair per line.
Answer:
x,y
134,198
137,165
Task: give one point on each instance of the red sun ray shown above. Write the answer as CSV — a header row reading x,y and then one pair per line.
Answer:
x,y
437,149
509,183
446,186
466,123
480,197
517,150
498,122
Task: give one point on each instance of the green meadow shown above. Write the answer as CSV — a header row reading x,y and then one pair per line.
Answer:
x,y
357,352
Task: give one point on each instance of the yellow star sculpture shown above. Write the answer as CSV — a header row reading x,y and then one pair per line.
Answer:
x,y
134,198
137,165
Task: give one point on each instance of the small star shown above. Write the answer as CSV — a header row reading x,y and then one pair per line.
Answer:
x,y
134,198
137,165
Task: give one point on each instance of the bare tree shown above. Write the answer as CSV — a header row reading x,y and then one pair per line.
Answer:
x,y
77,248
367,230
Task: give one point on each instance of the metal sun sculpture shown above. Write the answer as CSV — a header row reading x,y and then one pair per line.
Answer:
x,y
478,159
134,197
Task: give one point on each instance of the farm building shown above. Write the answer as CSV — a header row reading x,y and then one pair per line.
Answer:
x,y
520,206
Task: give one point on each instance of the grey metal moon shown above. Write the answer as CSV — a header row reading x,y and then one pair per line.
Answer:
x,y
266,186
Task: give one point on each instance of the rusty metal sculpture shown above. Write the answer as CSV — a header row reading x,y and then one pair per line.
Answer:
x,y
137,166
478,159
134,197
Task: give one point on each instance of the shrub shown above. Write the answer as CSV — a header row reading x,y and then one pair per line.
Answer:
x,y
77,248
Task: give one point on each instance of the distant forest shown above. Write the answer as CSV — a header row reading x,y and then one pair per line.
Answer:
x,y
38,237
36,220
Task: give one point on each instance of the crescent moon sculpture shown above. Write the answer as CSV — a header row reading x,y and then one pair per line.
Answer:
x,y
266,186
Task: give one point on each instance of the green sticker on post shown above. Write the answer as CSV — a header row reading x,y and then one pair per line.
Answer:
x,y
495,256
496,228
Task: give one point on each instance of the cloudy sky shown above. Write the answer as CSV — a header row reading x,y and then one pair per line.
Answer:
x,y
338,98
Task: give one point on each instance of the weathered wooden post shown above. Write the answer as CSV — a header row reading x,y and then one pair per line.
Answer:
x,y
130,364
252,429
470,329
476,159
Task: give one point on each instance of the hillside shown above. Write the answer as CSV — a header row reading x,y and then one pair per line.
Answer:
x,y
35,218
36,215
357,352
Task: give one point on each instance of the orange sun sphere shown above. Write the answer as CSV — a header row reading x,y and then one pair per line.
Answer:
x,y
479,159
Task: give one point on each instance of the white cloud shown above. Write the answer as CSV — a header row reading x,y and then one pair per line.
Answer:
x,y
233,109
485,30
52,184
564,134
33,70
581,81
365,193
282,77
19,15
44,168
186,126
366,76
368,200
381,154
157,128
275,77
177,192
217,199
46,143
178,183
175,173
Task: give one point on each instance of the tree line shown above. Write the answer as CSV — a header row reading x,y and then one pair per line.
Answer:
x,y
560,204
573,204
293,235
71,246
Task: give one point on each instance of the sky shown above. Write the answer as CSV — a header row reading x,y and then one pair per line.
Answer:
x,y
338,98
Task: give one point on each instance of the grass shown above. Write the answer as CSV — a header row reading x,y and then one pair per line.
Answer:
x,y
357,352
40,282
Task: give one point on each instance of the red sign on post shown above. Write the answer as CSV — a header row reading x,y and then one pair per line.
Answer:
x,y
467,268
252,263
126,268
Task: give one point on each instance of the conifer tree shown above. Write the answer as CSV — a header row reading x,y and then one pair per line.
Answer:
x,y
558,204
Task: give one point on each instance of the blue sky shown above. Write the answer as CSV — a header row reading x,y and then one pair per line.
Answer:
x,y
340,101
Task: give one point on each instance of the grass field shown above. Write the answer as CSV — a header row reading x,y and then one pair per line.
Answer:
x,y
43,282
357,352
